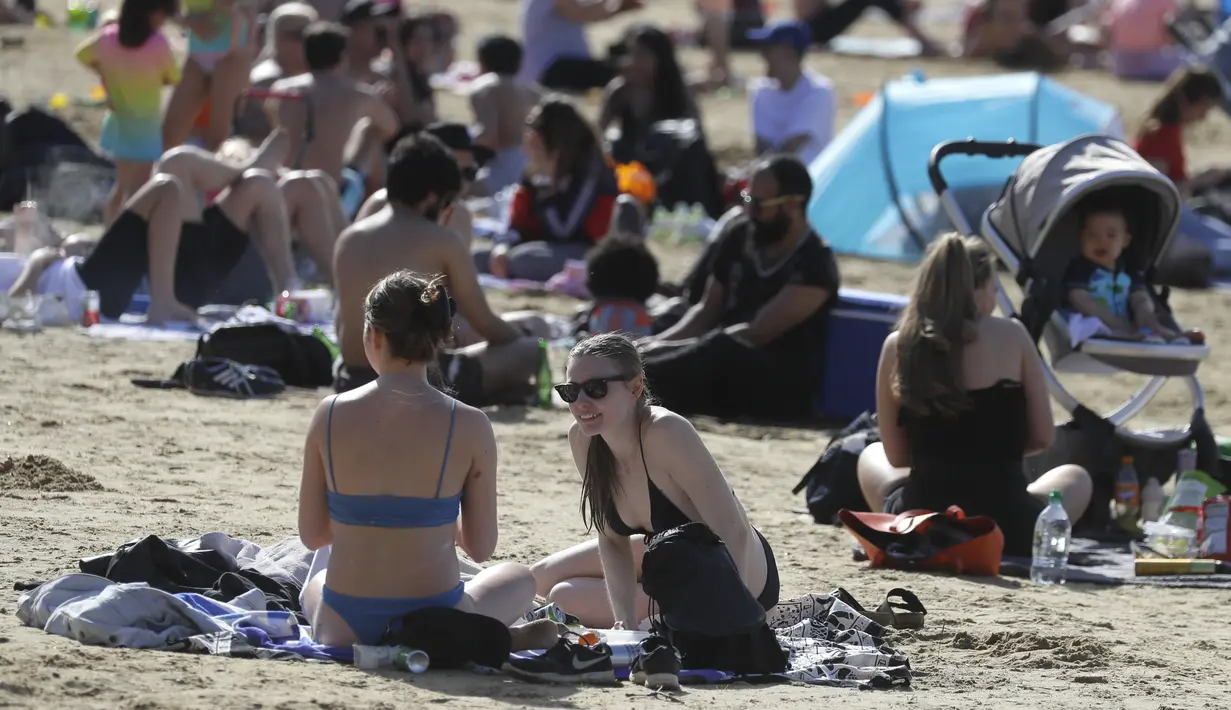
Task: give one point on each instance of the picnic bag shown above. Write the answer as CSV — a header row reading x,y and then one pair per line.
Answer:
x,y
926,540
703,607
302,360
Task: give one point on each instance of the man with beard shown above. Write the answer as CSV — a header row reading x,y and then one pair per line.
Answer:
x,y
753,345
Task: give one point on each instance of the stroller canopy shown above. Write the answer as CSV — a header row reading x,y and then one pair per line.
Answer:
x,y
1034,216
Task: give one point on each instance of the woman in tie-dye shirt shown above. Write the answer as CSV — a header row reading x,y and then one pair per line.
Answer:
x,y
134,61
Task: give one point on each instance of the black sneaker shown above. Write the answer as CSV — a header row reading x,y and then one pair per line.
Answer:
x,y
217,377
657,665
566,662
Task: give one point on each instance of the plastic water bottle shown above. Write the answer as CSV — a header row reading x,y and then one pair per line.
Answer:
x,y
25,227
1152,501
1052,533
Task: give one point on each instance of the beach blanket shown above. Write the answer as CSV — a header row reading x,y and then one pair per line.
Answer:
x,y
830,643
131,325
1094,562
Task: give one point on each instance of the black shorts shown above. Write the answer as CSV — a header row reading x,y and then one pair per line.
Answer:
x,y
773,584
459,375
208,251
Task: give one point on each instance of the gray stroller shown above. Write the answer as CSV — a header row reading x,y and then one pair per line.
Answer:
x,y
1033,231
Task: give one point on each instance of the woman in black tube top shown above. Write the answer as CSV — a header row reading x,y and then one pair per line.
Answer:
x,y
962,400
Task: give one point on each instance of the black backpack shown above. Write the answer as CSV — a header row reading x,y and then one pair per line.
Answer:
x,y
301,360
703,607
832,484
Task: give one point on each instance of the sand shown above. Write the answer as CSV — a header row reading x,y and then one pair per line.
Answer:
x,y
113,462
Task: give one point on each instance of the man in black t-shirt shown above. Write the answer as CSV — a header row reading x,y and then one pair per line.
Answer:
x,y
753,345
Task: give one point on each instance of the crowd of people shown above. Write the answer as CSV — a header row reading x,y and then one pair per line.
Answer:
x,y
316,134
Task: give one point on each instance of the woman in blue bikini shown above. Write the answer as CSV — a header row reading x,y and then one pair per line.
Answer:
x,y
395,475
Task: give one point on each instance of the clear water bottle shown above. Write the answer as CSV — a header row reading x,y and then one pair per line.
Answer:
x,y
1052,533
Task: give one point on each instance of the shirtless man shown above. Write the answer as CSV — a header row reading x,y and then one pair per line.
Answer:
x,y
423,179
469,156
339,103
500,103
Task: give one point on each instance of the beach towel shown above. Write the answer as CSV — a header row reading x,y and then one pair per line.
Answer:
x,y
828,643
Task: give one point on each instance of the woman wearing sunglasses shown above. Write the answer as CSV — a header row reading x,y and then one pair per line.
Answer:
x,y
644,469
396,474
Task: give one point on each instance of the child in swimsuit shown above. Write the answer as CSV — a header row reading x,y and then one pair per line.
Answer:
x,y
221,47
133,61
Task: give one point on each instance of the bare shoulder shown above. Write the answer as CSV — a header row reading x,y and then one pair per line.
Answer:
x,y
475,421
668,429
890,346
1009,331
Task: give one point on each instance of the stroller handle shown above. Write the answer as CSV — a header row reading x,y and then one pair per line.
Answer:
x,y
970,146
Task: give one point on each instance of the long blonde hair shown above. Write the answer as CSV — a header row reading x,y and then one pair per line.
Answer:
x,y
938,323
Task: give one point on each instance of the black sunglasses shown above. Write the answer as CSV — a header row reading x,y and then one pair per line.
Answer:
x,y
469,173
594,389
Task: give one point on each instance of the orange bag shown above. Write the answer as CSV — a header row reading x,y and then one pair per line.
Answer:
x,y
635,179
924,540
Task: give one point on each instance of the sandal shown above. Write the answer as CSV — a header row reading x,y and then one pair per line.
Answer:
x,y
905,614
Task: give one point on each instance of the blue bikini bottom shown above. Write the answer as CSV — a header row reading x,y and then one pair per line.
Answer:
x,y
369,616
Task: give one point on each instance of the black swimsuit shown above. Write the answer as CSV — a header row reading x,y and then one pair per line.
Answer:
x,y
973,460
664,515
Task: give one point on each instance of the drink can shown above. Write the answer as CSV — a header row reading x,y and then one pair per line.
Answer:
x,y
1214,531
90,314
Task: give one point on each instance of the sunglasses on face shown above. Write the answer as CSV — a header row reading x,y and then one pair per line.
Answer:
x,y
469,173
594,389
757,204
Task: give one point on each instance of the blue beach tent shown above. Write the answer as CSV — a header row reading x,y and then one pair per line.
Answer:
x,y
871,195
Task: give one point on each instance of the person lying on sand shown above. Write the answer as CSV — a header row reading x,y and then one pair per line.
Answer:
x,y
961,400
621,446
396,474
423,180
338,104
185,250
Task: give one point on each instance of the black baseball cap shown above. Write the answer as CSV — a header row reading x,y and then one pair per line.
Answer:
x,y
456,136
360,10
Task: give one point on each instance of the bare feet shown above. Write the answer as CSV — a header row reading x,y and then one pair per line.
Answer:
x,y
539,634
272,152
160,313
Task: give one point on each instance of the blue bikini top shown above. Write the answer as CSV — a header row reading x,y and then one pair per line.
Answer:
x,y
384,511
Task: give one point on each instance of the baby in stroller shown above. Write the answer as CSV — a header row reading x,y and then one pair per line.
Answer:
x,y
1098,283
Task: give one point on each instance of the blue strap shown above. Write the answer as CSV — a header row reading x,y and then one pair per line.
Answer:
x,y
329,441
448,445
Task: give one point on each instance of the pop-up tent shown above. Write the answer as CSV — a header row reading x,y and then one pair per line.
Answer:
x,y
871,195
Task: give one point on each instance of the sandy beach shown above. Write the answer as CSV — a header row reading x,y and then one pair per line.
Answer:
x,y
123,462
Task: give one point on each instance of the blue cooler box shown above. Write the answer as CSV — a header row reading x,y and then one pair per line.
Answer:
x,y
858,325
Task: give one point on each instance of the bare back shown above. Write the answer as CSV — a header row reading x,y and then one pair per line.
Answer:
x,y
338,104
373,248
501,105
995,355
386,440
